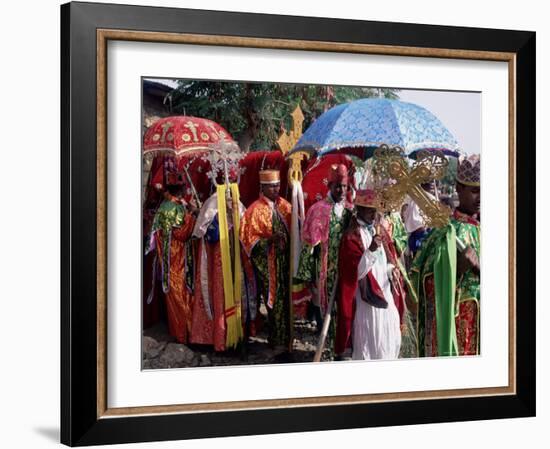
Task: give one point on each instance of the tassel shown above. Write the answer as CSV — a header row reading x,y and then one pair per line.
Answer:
x,y
231,288
237,283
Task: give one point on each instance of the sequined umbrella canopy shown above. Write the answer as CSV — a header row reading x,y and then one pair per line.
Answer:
x,y
185,135
361,126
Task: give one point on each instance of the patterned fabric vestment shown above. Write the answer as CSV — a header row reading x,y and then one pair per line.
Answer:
x,y
318,265
260,222
448,324
170,235
398,232
321,236
209,325
374,331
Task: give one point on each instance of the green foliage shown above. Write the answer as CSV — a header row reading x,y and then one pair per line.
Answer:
x,y
255,113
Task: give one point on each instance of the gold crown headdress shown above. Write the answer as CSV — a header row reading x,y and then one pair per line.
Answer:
x,y
468,170
270,177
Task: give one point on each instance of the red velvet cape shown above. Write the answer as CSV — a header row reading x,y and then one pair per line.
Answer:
x,y
351,250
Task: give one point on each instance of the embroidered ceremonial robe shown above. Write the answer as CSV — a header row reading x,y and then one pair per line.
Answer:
x,y
260,222
397,231
374,331
448,309
209,325
393,235
170,235
322,232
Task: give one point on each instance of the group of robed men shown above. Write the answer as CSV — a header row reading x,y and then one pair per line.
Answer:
x,y
224,267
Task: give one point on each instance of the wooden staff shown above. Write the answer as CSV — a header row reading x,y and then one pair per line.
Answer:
x,y
326,324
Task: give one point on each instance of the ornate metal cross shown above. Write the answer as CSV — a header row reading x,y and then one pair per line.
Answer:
x,y
391,164
286,142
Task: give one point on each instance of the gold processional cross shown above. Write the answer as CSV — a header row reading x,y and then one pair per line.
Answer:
x,y
390,163
286,142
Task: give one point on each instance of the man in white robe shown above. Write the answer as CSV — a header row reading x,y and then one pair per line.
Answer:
x,y
370,318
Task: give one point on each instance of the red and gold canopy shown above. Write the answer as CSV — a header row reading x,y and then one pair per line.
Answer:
x,y
184,135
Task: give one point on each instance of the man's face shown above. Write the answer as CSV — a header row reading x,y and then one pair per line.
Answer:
x,y
367,214
428,187
469,198
271,191
338,190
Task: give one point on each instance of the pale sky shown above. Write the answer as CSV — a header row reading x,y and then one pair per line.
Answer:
x,y
460,112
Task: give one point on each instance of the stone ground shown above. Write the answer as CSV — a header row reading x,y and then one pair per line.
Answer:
x,y
161,351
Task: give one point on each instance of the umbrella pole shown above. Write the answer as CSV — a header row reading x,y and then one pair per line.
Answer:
x,y
436,191
195,194
226,171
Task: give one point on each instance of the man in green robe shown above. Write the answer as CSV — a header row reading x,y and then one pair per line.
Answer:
x,y
447,279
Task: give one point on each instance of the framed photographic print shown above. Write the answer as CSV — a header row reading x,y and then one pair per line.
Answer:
x,y
282,224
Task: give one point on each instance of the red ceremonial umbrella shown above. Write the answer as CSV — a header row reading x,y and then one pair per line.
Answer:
x,y
184,136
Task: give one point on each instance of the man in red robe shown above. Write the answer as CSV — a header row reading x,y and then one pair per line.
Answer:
x,y
368,315
170,236
213,316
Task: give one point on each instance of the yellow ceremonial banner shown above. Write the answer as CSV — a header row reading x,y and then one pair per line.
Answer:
x,y
237,284
231,286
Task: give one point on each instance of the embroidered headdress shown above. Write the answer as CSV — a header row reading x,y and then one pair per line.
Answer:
x,y
338,173
269,177
468,170
367,198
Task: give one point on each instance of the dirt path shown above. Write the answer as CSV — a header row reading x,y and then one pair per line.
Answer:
x,y
160,351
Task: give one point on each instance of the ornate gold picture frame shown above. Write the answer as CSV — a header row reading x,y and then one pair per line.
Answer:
x,y
87,29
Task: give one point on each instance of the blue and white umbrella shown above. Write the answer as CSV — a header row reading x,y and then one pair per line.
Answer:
x,y
361,126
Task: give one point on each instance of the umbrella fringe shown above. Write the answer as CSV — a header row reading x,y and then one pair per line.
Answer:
x,y
426,145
